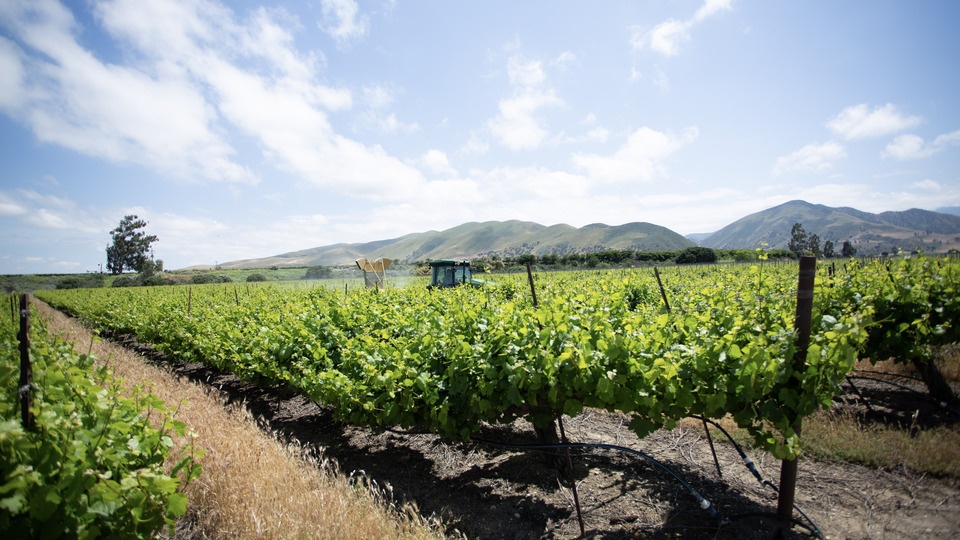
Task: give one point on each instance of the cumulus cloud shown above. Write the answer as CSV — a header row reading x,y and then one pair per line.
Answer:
x,y
814,157
911,146
667,37
860,122
115,112
517,124
192,72
343,21
640,158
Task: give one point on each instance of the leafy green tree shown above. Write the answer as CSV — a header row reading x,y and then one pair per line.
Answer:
x,y
847,250
130,246
318,272
798,240
813,246
696,255
829,250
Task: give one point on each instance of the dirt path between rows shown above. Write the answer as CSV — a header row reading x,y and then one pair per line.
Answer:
x,y
492,489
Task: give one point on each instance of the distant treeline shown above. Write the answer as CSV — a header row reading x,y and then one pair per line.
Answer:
x,y
619,258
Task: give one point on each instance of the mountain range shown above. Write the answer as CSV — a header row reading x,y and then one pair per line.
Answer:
x,y
932,232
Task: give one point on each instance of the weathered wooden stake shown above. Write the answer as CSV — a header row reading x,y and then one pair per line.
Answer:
x,y
25,371
533,290
788,468
663,293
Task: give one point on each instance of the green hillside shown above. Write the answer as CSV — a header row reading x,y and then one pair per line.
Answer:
x,y
490,238
871,234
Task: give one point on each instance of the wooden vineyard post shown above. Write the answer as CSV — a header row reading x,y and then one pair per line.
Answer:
x,y
663,293
788,468
533,290
24,337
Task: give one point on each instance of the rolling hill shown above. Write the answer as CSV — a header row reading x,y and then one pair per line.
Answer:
x,y
932,232
470,240
870,233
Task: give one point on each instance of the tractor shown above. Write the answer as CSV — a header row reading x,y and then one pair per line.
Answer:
x,y
451,273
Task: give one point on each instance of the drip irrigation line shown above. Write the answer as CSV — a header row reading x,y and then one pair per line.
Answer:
x,y
704,503
943,404
899,375
752,467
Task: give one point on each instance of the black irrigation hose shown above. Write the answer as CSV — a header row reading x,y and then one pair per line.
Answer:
x,y
704,503
752,467
701,500
943,404
898,375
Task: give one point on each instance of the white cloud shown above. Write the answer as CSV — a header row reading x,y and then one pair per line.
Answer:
x,y
640,158
711,8
249,75
927,185
110,111
343,21
911,146
667,37
565,60
11,83
9,206
525,72
908,147
436,161
859,122
811,158
378,98
517,126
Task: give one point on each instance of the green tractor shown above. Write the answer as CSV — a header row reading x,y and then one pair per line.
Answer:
x,y
451,273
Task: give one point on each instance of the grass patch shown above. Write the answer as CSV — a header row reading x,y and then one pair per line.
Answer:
x,y
833,436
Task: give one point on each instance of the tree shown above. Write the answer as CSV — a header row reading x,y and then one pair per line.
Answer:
x,y
696,255
130,246
798,240
813,246
829,250
848,250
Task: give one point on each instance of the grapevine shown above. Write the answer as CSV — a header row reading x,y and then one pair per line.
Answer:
x,y
450,360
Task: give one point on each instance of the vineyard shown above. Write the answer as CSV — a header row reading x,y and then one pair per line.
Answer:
x,y
713,342
85,461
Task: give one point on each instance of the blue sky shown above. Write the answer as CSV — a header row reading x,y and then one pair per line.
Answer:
x,y
246,129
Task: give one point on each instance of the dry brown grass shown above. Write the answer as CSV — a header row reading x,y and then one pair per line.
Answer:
x,y
842,437
253,486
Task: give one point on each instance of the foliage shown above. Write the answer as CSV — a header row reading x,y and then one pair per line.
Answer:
x,y
318,272
256,277
798,243
93,464
450,360
696,255
130,245
848,250
80,281
916,308
200,279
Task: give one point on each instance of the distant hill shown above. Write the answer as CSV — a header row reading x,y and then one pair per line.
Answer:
x,y
932,232
870,233
471,240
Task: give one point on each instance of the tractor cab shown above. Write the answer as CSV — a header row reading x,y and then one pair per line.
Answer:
x,y
450,273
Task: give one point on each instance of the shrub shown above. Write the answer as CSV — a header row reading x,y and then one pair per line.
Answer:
x,y
200,279
696,255
256,277
318,272
78,282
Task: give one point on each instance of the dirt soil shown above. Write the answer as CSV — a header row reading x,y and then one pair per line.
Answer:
x,y
490,488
